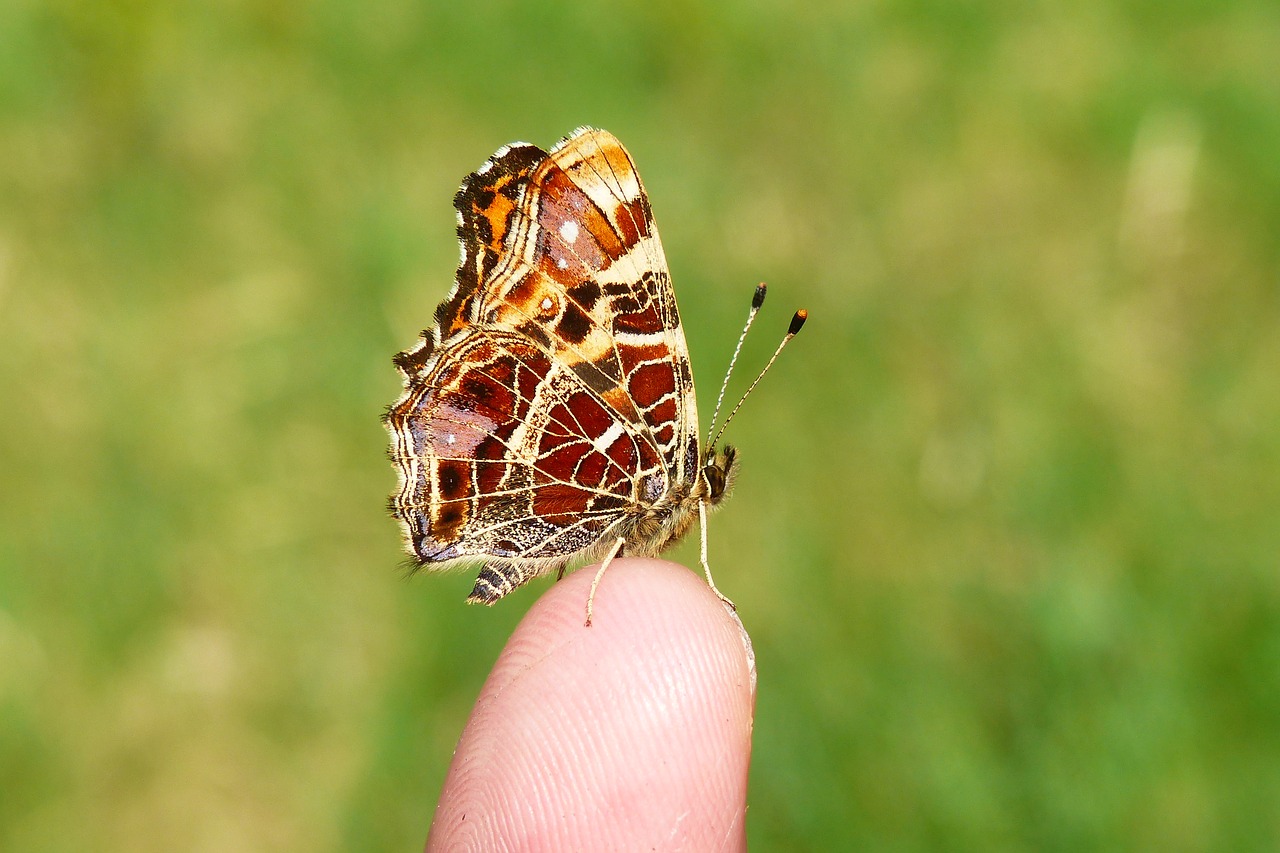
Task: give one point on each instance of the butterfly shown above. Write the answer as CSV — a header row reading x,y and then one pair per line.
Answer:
x,y
548,417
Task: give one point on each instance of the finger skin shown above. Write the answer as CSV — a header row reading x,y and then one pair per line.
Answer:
x,y
632,734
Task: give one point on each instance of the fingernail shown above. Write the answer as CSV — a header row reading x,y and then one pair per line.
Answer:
x,y
746,646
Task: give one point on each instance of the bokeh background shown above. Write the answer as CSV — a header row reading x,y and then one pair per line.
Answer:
x,y
1006,535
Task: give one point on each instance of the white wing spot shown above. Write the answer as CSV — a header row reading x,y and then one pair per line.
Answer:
x,y
606,439
562,263
450,439
547,304
569,231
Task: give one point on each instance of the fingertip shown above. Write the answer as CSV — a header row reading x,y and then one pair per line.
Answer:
x,y
633,731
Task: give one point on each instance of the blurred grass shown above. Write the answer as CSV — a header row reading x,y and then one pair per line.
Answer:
x,y
1006,533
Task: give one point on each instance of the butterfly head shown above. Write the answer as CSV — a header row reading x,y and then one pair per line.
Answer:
x,y
719,470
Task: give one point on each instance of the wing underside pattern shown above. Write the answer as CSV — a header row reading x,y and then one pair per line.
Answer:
x,y
553,399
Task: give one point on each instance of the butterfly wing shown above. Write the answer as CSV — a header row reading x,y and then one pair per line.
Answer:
x,y
554,393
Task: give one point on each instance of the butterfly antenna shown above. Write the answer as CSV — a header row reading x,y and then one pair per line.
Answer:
x,y
797,322
756,301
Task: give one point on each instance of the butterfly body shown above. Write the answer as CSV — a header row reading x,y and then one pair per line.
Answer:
x,y
549,415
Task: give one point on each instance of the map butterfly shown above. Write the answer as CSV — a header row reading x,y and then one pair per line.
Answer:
x,y
548,416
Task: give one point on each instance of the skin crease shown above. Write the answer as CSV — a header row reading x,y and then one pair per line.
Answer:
x,y
633,734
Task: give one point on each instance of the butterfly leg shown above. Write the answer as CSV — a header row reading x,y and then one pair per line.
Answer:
x,y
604,564
706,566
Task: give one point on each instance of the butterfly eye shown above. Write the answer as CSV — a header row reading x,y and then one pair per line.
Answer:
x,y
714,475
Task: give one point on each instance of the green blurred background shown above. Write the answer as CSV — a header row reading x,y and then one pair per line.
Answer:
x,y
1006,535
